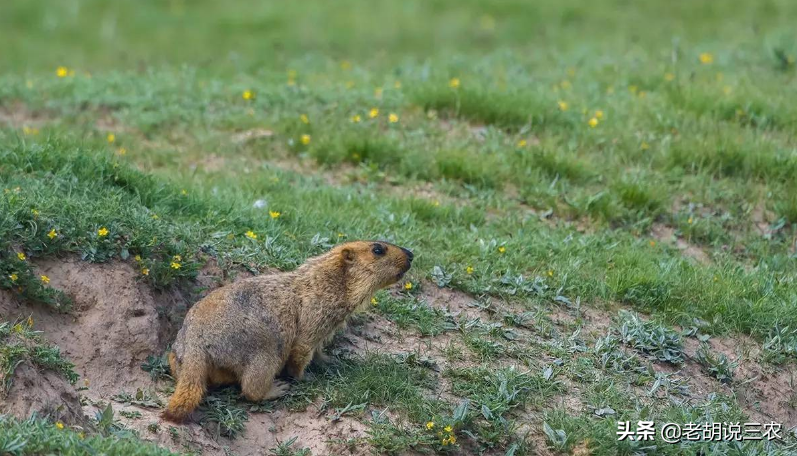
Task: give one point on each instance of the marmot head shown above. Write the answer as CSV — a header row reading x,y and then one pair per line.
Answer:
x,y
374,264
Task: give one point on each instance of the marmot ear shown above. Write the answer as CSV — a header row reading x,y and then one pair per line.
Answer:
x,y
347,255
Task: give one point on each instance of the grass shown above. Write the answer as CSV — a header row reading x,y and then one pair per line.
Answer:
x,y
494,395
285,449
38,436
410,312
652,338
19,343
719,367
491,173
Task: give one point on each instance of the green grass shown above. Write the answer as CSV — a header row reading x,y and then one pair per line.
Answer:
x,y
494,395
655,339
19,343
500,191
37,436
410,312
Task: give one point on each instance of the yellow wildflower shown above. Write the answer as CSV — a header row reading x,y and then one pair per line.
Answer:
x,y
374,301
177,258
30,322
599,114
274,214
669,77
111,138
34,212
30,131
690,221
305,139
17,328
550,273
102,232
52,234
392,118
408,285
154,216
452,439
13,277
397,84
121,151
304,119
175,265
184,192
593,122
21,256
145,271
469,270
447,429
45,279
250,234
454,83
373,113
430,425
248,95
562,105
62,71
644,146
501,249
356,118
59,425
653,243
706,58
521,143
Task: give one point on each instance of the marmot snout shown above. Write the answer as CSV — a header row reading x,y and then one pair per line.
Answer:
x,y
250,331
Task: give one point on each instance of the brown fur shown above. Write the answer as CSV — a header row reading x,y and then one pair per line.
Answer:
x,y
250,331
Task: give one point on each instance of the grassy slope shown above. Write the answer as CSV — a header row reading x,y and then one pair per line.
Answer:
x,y
705,148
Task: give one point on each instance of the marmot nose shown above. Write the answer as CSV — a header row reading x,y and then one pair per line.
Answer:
x,y
408,253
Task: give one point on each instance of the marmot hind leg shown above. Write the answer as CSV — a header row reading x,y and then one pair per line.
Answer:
x,y
257,380
319,357
220,377
298,361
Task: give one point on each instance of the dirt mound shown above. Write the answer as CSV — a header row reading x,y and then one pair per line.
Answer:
x,y
112,328
42,392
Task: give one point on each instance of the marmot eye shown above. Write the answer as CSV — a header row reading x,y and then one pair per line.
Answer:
x,y
378,249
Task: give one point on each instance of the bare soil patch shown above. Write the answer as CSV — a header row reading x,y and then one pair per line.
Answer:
x,y
667,235
18,115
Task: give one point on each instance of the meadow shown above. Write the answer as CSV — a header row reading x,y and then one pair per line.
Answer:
x,y
601,198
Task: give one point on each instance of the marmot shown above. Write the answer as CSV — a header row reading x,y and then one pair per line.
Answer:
x,y
251,331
